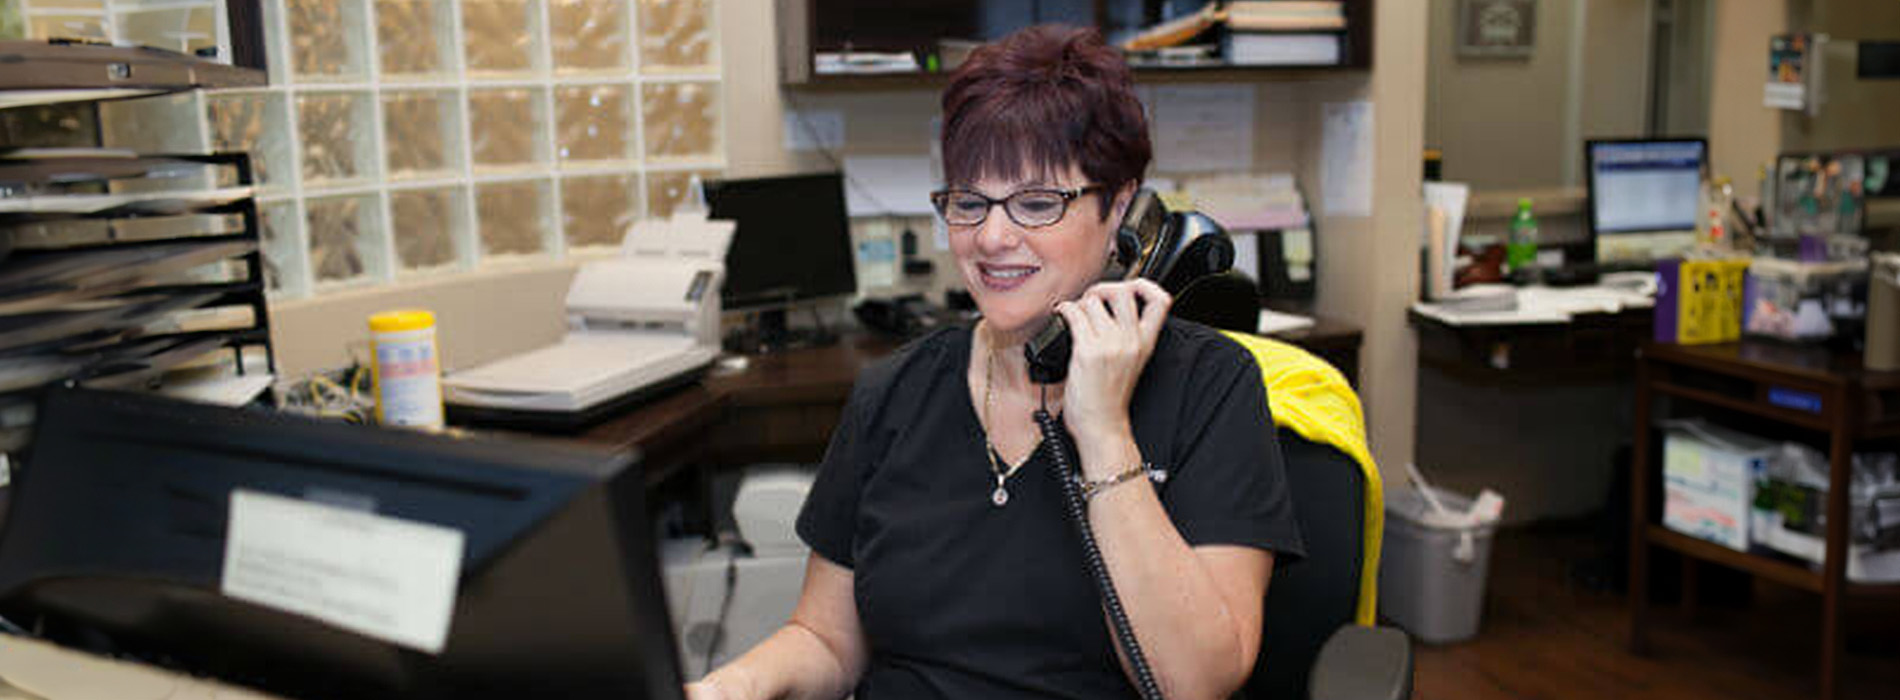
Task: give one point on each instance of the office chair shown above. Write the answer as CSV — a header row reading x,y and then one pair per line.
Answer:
x,y
1319,639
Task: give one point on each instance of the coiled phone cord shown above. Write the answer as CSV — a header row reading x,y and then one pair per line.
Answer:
x,y
1078,512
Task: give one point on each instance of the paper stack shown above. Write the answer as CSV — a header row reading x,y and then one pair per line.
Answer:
x,y
1285,33
1250,202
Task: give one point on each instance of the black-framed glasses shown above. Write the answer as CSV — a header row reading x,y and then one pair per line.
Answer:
x,y
1031,208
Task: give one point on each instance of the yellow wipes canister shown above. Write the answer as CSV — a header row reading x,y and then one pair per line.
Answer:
x,y
407,372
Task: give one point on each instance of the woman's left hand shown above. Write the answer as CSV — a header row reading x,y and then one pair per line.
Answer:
x,y
1112,342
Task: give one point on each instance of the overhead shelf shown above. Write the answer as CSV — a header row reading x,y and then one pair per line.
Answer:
x,y
1143,74
811,33
49,72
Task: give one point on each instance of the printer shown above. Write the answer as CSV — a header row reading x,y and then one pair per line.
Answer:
x,y
639,323
726,598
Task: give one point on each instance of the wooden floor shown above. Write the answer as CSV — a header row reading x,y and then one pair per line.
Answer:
x,y
1547,636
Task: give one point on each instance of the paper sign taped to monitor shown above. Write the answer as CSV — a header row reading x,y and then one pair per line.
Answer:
x,y
378,576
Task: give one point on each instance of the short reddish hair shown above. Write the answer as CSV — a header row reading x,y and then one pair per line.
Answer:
x,y
1039,101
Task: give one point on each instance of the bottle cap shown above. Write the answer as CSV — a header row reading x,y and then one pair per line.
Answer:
x,y
401,320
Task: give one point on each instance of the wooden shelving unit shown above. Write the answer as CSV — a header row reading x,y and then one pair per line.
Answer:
x,y
798,42
1808,389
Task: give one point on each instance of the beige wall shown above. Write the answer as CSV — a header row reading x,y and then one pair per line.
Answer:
x,y
1856,113
1384,271
1615,72
1519,122
1743,134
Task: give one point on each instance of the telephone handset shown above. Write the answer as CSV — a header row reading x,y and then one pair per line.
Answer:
x,y
1174,249
1171,248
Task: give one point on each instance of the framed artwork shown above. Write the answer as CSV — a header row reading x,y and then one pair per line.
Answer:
x,y
1497,28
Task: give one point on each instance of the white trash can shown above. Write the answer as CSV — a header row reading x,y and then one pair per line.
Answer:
x,y
1432,568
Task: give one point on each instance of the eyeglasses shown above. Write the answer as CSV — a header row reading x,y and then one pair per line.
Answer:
x,y
1032,208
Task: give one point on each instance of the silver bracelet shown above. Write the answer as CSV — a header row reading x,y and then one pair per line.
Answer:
x,y
1090,488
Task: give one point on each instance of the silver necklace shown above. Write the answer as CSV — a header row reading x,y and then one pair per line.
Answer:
x,y
999,497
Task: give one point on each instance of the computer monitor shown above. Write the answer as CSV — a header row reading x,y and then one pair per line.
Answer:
x,y
793,241
116,541
1645,197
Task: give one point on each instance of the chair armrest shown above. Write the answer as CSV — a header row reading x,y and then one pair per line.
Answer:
x,y
1363,663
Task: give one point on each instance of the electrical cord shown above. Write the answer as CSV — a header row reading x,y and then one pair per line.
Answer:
x,y
725,609
734,549
1059,465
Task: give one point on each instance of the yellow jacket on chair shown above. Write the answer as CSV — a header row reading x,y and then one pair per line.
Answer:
x,y
1311,398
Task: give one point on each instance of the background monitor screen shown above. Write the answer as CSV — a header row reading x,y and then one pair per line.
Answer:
x,y
1644,186
792,243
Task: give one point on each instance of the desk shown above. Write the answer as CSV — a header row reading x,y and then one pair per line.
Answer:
x,y
1536,411
783,407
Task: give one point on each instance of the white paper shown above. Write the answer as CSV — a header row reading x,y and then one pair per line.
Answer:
x,y
1451,198
888,185
378,576
1346,158
1246,252
1276,322
1203,128
1792,96
1250,202
1296,245
814,130
877,263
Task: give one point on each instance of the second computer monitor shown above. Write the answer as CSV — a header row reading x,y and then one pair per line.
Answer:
x,y
793,241
1645,197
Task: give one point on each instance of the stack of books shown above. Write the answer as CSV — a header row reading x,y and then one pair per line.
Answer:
x,y
1285,33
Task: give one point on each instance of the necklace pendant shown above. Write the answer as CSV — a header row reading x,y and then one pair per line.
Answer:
x,y
1000,496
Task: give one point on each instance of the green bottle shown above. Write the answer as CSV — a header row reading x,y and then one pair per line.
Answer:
x,y
1521,252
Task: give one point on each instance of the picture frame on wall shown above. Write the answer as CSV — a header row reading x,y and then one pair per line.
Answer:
x,y
1497,28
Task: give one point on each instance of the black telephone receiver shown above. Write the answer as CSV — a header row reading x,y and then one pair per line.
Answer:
x,y
1171,248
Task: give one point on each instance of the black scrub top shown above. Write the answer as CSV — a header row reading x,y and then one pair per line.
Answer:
x,y
960,598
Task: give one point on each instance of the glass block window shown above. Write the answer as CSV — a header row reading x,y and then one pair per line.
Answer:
x,y
419,137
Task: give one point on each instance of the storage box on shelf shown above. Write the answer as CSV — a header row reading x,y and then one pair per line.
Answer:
x,y
1804,301
1709,476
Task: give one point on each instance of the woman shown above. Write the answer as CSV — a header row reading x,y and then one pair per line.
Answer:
x,y
943,562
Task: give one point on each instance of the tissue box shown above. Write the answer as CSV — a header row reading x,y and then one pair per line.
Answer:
x,y
1699,301
1709,476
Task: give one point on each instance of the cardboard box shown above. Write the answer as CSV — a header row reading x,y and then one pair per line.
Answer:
x,y
1709,476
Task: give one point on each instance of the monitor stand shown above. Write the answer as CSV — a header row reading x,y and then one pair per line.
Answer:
x,y
767,332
